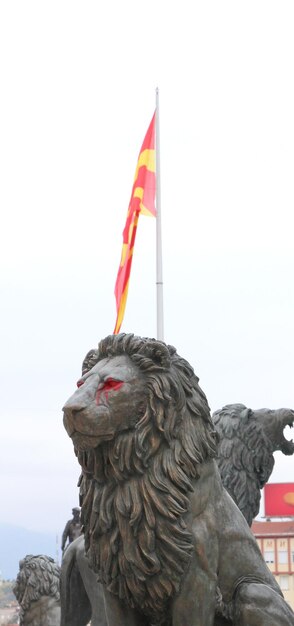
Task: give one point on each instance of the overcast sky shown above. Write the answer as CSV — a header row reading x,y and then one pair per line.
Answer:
x,y
78,84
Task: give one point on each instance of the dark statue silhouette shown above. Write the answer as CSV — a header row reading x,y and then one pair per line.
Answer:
x,y
72,528
169,545
247,441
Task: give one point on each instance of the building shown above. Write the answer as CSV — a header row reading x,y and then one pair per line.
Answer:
x,y
276,542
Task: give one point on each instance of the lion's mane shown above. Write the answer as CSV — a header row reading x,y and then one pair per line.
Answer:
x,y
245,456
38,576
133,513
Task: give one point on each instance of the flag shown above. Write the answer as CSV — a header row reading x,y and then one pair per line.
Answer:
x,y
142,201
279,499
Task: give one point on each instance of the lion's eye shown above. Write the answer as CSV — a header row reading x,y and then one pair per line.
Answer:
x,y
108,385
80,383
111,383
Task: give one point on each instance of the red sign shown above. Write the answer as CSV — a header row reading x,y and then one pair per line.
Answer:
x,y
279,500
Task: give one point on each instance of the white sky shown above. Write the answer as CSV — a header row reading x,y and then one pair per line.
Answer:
x,y
77,94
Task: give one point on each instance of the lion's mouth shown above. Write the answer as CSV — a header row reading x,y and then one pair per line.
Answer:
x,y
287,445
85,431
19,589
89,442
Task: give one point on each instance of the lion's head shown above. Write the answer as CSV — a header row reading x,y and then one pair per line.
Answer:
x,y
138,385
38,576
245,455
141,428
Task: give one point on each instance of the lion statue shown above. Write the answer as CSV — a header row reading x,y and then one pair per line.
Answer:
x,y
37,591
166,540
245,458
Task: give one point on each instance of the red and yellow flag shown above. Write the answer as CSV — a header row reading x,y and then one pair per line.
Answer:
x,y
142,201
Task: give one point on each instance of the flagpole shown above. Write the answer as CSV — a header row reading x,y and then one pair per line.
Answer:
x,y
159,278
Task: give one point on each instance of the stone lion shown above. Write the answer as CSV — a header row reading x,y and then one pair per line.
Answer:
x,y
167,542
245,458
37,591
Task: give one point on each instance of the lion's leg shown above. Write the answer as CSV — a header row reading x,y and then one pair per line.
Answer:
x,y
259,605
118,614
195,604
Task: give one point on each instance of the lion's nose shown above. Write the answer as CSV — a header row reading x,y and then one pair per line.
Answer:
x,y
69,418
68,422
72,406
77,402
80,399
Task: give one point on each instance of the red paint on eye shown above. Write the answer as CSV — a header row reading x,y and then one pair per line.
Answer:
x,y
80,383
109,385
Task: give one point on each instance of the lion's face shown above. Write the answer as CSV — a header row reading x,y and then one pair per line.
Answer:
x,y
274,422
110,398
38,576
21,582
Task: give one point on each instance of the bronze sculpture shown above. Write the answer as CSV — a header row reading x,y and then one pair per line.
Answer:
x,y
166,540
247,441
72,528
37,591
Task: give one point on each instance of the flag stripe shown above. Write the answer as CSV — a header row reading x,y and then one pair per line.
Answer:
x,y
147,158
121,312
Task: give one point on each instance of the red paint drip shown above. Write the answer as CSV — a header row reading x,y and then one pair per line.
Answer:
x,y
109,385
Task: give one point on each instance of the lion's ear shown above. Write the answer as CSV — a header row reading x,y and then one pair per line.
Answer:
x,y
246,413
89,361
158,352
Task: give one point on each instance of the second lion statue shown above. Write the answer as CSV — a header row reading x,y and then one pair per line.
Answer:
x,y
167,542
37,591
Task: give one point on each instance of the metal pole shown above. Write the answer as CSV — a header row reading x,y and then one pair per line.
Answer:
x,y
159,278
